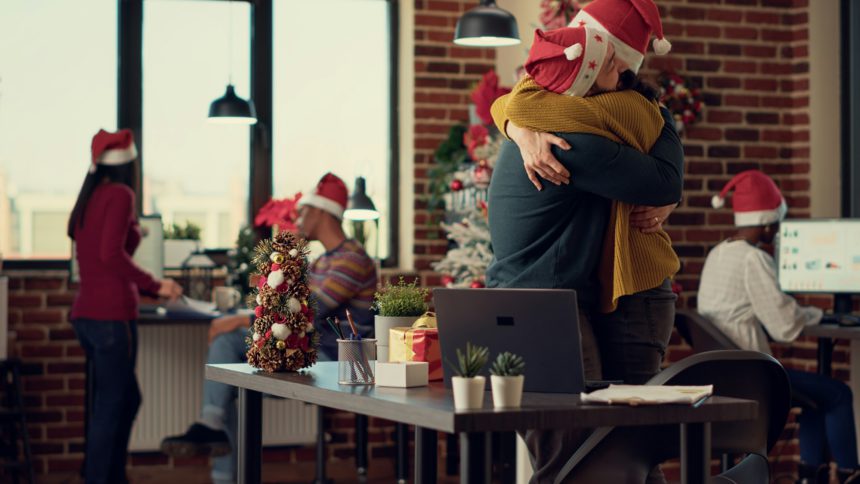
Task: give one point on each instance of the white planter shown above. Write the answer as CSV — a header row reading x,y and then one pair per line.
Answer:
x,y
468,392
177,250
381,329
507,391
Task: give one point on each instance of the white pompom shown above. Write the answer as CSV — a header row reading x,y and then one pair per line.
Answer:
x,y
661,46
256,336
573,51
259,300
294,305
309,328
281,331
294,252
275,279
302,334
718,201
273,255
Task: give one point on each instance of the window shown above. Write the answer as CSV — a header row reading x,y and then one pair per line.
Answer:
x,y
53,100
195,171
332,108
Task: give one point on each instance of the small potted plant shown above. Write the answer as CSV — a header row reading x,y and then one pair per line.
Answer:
x,y
179,243
468,386
396,305
506,379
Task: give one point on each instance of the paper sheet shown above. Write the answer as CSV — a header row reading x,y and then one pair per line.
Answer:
x,y
648,394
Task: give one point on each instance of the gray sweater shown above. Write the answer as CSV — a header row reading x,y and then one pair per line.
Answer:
x,y
553,238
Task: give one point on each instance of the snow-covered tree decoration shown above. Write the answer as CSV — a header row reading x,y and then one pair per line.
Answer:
x,y
466,264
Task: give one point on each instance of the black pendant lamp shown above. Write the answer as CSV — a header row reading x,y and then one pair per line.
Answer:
x,y
360,206
487,25
230,108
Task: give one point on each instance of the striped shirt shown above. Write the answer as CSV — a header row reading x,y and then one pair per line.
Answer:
x,y
740,294
343,278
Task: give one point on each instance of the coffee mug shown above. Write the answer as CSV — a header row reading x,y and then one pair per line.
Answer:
x,y
226,298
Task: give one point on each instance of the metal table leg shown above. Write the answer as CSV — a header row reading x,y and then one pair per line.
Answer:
x,y
506,469
250,436
361,444
320,477
475,458
425,456
695,453
825,356
402,463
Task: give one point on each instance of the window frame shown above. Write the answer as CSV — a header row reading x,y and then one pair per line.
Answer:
x,y
850,67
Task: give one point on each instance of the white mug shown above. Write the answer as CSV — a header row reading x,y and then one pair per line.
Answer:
x,y
226,298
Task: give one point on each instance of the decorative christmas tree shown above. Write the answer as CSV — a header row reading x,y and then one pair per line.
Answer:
x,y
465,265
282,337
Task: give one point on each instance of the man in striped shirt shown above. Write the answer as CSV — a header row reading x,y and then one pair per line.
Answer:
x,y
343,278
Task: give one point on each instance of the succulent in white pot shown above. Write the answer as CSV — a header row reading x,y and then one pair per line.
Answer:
x,y
506,380
468,385
397,305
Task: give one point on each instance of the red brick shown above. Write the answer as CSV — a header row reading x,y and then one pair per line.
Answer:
x,y
42,316
430,51
26,300
724,151
740,67
66,432
478,68
66,367
717,15
44,417
686,47
16,284
776,68
722,116
734,167
740,33
760,51
437,5
63,334
762,118
716,218
422,20
702,133
699,30
704,168
777,135
466,53
724,82
65,401
31,334
74,351
42,350
61,299
724,49
440,36
42,448
688,13
446,67
741,100
759,17
742,135
44,283
776,102
760,84
703,65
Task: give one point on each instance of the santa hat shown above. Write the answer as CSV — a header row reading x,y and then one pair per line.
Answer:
x,y
629,24
112,148
757,200
330,195
567,60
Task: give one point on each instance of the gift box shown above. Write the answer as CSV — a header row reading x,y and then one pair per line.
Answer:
x,y
420,342
402,374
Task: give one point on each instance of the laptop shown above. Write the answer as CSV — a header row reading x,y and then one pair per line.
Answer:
x,y
541,325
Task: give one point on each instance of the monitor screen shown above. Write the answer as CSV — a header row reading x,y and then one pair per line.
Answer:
x,y
819,256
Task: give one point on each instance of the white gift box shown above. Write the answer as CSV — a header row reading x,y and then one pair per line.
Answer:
x,y
402,374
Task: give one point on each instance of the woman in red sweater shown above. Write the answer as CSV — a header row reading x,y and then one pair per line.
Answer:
x,y
104,226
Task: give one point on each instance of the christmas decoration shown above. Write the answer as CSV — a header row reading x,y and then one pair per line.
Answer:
x,y
282,213
682,98
557,13
282,337
465,264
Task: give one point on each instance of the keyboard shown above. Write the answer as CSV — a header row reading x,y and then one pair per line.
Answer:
x,y
841,319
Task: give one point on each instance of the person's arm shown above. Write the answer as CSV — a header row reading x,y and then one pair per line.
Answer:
x,y
778,312
619,172
498,111
339,285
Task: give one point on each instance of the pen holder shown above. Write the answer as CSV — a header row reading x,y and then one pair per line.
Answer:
x,y
355,361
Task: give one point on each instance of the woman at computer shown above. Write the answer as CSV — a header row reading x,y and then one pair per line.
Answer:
x,y
104,226
740,294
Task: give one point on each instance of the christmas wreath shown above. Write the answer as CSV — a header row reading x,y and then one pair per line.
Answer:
x,y
682,97
282,337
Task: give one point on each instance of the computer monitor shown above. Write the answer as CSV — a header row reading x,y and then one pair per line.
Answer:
x,y
819,256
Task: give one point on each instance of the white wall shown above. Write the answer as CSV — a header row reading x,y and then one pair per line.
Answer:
x,y
406,88
509,58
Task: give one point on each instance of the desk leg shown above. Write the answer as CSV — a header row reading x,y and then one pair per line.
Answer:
x,y
506,462
825,355
475,458
425,456
401,466
854,382
695,453
361,444
320,477
250,436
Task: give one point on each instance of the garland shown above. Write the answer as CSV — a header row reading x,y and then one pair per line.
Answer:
x,y
682,97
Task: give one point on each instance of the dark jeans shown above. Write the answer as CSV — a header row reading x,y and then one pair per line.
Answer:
x,y
831,425
111,348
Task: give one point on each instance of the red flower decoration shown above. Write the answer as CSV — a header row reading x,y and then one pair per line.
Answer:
x,y
284,287
475,137
261,282
258,311
280,318
282,213
292,341
485,93
275,267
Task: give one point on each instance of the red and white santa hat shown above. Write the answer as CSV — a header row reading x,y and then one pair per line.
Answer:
x,y
330,195
567,60
629,24
756,201
112,148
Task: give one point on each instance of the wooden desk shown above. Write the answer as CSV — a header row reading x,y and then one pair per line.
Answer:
x,y
431,409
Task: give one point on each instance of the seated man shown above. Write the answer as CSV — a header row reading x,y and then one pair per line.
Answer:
x,y
342,278
739,293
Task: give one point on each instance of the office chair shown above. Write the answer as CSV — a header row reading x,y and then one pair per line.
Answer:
x,y
627,454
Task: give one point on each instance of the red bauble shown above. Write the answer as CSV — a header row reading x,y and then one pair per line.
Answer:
x,y
261,282
275,266
292,341
447,281
476,285
456,185
258,311
280,318
284,287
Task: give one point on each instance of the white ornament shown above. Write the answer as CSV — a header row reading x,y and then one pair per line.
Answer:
x,y
294,305
294,252
309,328
273,255
256,336
259,300
275,279
281,331
302,334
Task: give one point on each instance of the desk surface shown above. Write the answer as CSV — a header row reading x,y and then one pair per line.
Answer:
x,y
433,406
832,331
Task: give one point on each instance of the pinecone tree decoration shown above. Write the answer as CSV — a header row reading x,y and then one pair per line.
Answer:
x,y
282,337
508,364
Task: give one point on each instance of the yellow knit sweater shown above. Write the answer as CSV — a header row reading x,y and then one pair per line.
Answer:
x,y
631,261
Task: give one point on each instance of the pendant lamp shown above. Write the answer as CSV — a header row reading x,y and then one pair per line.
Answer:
x,y
230,108
360,206
487,25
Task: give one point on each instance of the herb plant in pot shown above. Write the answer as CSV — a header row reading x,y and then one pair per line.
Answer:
x,y
468,386
396,305
506,379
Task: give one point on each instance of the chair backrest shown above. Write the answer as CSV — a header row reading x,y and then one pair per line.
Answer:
x,y
701,333
742,374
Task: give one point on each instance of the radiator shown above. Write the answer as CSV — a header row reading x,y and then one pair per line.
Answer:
x,y
170,366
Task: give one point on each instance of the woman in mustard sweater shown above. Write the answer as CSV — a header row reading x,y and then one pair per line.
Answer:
x,y
564,93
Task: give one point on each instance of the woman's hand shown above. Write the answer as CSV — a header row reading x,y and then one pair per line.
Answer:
x,y
538,159
226,324
170,289
650,219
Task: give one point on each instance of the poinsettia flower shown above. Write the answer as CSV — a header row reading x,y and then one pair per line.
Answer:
x,y
475,137
485,93
283,213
